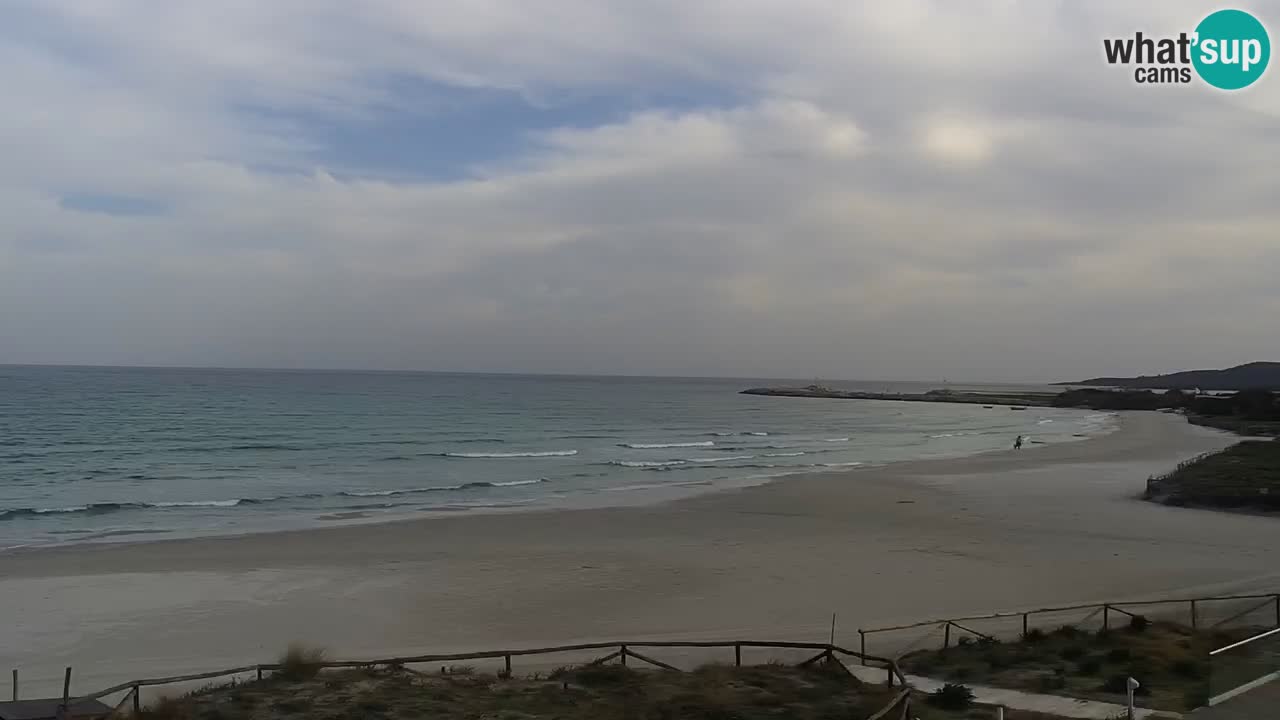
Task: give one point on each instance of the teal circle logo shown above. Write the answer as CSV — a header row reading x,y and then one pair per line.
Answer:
x,y
1231,49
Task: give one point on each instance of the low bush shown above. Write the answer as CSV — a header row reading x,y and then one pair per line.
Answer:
x,y
1118,655
300,662
1089,666
1116,684
596,675
1068,631
1034,635
952,697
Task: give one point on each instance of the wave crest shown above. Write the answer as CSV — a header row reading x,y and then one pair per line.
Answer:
x,y
531,454
656,446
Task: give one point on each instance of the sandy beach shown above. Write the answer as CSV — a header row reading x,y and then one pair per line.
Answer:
x,y
904,542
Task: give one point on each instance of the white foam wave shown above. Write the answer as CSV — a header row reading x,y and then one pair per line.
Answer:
x,y
515,483
644,463
1043,422
536,454
390,493
841,464
198,503
655,446
845,439
785,454
719,459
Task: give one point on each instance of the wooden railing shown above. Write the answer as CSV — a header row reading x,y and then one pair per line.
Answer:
x,y
622,652
1194,606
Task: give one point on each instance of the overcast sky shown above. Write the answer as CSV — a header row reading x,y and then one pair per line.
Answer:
x,y
878,190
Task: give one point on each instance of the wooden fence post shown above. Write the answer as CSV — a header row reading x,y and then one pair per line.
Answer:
x,y
1106,617
946,635
259,672
66,695
622,655
1024,624
137,701
861,634
1194,619
15,683
890,669
507,661
1277,614
737,654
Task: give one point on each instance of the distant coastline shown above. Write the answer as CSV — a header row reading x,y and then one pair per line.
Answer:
x,y
1250,376
1014,399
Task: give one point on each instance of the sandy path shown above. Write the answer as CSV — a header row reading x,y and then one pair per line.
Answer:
x,y
904,542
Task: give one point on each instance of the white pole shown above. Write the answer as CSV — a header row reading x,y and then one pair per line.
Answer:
x,y
999,712
1133,685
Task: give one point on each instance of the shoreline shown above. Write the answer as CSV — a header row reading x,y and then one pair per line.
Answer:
x,y
676,494
877,545
627,496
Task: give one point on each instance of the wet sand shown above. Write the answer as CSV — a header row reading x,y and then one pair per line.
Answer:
x,y
909,541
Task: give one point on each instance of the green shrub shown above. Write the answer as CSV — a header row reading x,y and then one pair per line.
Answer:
x,y
1118,684
1034,635
1188,669
1072,652
1139,623
998,659
1089,666
1068,631
300,662
952,697
596,675
964,641
1118,655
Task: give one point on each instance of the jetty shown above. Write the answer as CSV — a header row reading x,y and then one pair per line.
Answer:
x,y
1012,399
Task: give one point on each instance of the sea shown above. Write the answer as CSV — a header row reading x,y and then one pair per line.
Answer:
x,y
92,454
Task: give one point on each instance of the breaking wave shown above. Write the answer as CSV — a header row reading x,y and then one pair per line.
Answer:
x,y
533,454
111,507
644,463
656,446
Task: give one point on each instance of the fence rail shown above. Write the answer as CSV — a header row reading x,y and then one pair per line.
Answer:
x,y
622,652
1244,666
1269,602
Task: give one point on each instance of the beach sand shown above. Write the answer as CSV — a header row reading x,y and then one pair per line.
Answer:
x,y
910,541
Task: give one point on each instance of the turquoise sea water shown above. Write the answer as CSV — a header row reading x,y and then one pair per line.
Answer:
x,y
93,454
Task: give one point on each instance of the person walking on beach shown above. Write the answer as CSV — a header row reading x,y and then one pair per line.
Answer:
x,y
1017,444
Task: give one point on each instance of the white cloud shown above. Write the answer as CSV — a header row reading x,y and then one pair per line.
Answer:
x,y
894,190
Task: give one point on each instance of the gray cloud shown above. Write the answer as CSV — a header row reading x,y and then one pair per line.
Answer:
x,y
904,190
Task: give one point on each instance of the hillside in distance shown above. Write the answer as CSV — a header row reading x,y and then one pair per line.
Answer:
x,y
1249,376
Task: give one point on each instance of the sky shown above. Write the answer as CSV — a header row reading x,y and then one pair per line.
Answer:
x,y
766,188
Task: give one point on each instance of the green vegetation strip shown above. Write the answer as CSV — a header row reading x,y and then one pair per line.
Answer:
x,y
1171,662
595,692
1245,476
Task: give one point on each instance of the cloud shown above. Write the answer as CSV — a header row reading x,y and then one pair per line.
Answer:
x,y
844,189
